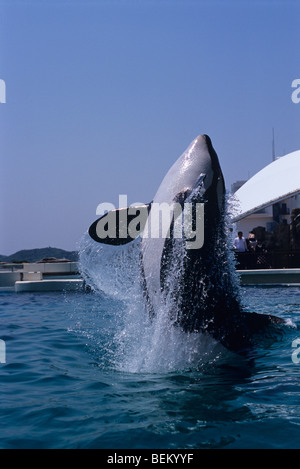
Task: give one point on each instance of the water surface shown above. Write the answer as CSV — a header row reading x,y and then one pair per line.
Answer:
x,y
74,379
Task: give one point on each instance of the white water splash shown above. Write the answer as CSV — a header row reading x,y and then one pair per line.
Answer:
x,y
142,343
161,347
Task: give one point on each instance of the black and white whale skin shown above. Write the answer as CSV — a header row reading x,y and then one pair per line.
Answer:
x,y
197,279
205,293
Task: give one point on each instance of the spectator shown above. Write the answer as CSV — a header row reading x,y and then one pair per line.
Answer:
x,y
239,243
252,243
261,261
260,247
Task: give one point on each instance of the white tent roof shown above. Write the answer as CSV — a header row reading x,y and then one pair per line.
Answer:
x,y
277,181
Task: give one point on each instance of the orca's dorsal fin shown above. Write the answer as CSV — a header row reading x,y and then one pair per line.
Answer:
x,y
120,226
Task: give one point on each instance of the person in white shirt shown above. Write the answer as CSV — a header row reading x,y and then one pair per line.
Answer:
x,y
239,243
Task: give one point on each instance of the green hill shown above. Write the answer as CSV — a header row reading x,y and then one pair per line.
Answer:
x,y
34,255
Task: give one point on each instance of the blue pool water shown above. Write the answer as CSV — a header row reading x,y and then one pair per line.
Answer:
x,y
77,376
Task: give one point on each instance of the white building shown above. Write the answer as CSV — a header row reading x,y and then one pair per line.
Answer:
x,y
269,197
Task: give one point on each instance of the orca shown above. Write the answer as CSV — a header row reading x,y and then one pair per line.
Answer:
x,y
196,278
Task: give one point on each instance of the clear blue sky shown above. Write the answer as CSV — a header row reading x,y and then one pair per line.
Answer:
x,y
103,96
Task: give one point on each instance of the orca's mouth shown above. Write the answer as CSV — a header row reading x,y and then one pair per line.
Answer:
x,y
196,194
201,180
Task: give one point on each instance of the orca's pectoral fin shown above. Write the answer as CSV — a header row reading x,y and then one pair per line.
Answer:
x,y
264,329
257,321
247,329
121,226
